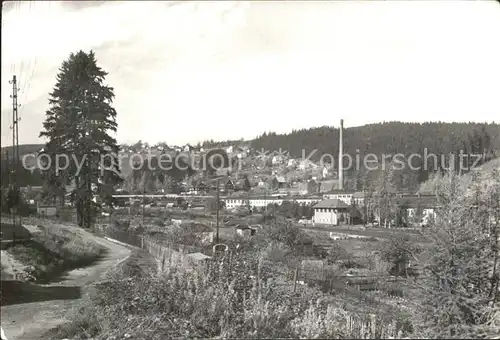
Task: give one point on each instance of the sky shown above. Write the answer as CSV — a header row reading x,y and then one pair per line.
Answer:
x,y
185,72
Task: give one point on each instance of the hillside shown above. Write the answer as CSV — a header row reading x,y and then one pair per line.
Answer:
x,y
484,172
388,138
382,138
23,149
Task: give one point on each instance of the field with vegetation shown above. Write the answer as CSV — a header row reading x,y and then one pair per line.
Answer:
x,y
270,285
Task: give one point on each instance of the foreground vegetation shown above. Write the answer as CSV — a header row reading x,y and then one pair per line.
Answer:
x,y
181,303
451,290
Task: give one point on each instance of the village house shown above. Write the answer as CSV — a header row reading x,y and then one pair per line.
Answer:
x,y
342,195
196,259
416,207
423,206
306,164
277,159
279,182
331,212
245,231
46,209
241,152
243,184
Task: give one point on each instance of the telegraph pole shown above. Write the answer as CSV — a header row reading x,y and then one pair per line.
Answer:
x,y
15,144
146,177
217,225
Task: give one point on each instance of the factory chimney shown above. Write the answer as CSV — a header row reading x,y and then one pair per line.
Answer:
x,y
341,149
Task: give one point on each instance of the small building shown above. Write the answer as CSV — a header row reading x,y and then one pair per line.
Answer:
x,y
342,195
277,159
235,202
46,210
243,184
245,231
228,184
331,212
421,207
279,182
324,172
194,260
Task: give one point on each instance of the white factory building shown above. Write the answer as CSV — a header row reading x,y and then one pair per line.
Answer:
x,y
263,201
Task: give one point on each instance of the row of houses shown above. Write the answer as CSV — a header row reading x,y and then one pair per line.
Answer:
x,y
343,207
277,183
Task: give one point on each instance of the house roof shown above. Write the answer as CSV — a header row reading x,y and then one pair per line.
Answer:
x,y
359,194
213,181
241,182
340,192
198,256
415,201
327,186
242,227
331,203
32,188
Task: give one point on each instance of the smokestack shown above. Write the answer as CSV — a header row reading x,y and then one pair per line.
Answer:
x,y
341,149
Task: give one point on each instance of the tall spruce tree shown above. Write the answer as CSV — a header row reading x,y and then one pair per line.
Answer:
x,y
78,124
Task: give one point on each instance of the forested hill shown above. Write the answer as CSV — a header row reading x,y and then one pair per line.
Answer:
x,y
386,138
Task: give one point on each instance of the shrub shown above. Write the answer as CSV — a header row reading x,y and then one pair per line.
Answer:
x,y
189,304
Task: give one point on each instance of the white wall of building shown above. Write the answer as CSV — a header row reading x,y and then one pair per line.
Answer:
x,y
325,216
427,214
47,211
346,198
232,203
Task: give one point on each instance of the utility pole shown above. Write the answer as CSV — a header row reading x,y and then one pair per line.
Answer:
x,y
15,145
144,195
295,277
5,190
217,225
265,203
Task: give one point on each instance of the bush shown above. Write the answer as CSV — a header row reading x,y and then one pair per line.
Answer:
x,y
159,222
122,225
286,233
398,251
182,304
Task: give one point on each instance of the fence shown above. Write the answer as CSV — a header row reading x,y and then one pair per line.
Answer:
x,y
163,252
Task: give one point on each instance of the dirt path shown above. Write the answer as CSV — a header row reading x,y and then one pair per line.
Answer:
x,y
30,320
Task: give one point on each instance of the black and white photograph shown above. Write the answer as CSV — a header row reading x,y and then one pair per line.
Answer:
x,y
250,170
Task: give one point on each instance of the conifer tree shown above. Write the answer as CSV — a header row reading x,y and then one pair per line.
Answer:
x,y
78,124
460,289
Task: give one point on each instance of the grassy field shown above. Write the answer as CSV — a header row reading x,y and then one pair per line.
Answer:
x,y
380,233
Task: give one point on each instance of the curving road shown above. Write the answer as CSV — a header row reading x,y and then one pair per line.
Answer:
x,y
47,306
